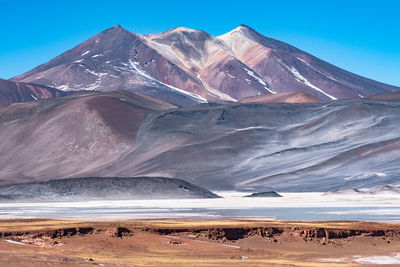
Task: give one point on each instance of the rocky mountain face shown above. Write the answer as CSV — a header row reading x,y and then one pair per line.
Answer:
x,y
185,67
236,112
287,68
14,92
258,147
65,136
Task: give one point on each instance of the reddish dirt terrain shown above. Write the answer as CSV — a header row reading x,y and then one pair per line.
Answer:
x,y
293,97
14,92
167,243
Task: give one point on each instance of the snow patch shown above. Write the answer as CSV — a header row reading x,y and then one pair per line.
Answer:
x,y
332,259
98,55
378,260
300,78
63,87
34,97
14,242
217,93
98,74
310,66
136,67
252,74
84,53
247,128
361,96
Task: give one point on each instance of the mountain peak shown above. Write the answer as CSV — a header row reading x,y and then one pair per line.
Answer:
x,y
116,28
244,29
244,32
182,29
244,26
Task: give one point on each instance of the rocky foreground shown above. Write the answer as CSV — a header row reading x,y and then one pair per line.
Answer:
x,y
188,243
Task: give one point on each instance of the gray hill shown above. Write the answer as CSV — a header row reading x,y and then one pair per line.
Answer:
x,y
107,188
264,194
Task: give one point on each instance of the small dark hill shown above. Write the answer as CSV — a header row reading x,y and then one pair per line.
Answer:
x,y
107,188
264,194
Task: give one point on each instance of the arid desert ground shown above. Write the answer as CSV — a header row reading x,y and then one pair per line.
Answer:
x,y
196,243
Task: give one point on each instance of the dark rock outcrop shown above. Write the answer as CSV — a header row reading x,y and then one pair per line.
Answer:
x,y
264,194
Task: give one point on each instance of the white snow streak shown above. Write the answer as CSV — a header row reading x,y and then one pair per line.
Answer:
x,y
309,65
85,53
78,61
95,73
361,96
300,78
252,74
135,66
98,55
247,128
64,87
378,260
14,242
217,93
34,97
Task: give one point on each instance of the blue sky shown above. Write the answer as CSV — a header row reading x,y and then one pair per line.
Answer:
x,y
360,36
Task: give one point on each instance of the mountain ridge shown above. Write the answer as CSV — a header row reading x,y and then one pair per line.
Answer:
x,y
191,66
14,92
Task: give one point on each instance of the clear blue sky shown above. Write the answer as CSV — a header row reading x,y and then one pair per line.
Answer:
x,y
360,36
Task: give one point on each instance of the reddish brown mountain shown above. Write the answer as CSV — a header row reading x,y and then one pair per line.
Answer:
x,y
287,68
186,67
71,134
294,97
14,92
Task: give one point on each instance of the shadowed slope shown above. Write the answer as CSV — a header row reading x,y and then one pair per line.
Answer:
x,y
14,92
102,188
259,147
69,135
262,147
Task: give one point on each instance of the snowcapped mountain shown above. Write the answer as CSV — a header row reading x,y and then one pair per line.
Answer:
x,y
289,69
185,67
117,59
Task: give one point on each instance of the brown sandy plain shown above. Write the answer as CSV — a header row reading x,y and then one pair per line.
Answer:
x,y
194,243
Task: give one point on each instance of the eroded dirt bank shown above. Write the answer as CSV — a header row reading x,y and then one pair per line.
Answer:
x,y
71,243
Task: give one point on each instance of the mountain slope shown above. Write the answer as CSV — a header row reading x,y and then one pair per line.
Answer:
x,y
117,59
292,97
287,68
66,136
259,147
14,92
274,146
102,188
186,67
222,75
